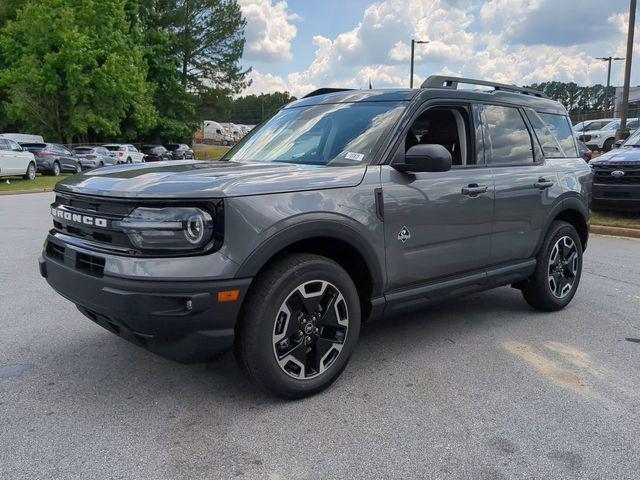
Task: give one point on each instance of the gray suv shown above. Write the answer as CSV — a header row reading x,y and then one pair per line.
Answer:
x,y
347,205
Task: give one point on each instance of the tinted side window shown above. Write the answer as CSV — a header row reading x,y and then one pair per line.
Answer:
x,y
4,145
560,128
508,140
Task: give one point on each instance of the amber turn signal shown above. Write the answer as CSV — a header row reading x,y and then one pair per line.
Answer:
x,y
228,295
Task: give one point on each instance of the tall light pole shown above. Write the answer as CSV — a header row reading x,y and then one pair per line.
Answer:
x,y
627,71
413,49
608,60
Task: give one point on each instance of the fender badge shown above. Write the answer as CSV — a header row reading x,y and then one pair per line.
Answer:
x,y
404,234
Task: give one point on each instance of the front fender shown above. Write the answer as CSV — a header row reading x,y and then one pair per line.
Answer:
x,y
315,225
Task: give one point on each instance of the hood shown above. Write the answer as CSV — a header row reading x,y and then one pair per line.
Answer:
x,y
619,156
194,179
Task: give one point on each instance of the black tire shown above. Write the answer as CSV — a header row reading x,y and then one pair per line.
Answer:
x,y
56,169
31,172
542,289
257,344
78,167
608,144
101,164
129,160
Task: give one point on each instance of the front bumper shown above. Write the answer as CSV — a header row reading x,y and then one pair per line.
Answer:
x,y
180,320
616,197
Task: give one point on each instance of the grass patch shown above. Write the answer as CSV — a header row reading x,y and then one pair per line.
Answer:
x,y
209,152
617,219
42,183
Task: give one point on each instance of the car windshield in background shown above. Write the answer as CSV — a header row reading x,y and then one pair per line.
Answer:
x,y
83,150
339,134
172,146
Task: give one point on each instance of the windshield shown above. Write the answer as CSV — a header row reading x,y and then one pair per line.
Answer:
x,y
338,134
633,140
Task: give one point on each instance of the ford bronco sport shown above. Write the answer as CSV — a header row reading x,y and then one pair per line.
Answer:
x,y
345,206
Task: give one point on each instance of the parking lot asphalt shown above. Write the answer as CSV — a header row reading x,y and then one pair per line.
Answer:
x,y
481,387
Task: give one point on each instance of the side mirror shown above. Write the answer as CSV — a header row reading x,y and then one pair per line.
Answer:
x,y
425,158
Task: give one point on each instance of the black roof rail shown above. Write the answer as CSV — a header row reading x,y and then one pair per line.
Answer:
x,y
322,91
443,81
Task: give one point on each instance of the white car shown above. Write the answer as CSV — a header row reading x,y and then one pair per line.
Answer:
x,y
15,161
603,139
125,152
589,125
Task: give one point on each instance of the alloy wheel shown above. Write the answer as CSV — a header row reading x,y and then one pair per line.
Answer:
x,y
31,172
563,267
310,329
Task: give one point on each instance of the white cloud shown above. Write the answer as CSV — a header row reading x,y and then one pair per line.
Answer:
x,y
269,30
497,40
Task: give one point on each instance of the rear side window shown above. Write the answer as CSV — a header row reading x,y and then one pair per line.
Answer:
x,y
507,139
554,133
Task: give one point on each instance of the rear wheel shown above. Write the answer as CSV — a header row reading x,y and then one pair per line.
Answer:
x,y
557,274
78,167
299,326
56,169
31,172
129,160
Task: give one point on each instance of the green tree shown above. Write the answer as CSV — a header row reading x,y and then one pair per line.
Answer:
x,y
71,70
248,110
210,42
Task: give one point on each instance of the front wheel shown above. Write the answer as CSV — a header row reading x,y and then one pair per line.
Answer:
x,y
557,274
299,326
608,144
56,169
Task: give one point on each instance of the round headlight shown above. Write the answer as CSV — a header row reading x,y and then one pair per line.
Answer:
x,y
194,231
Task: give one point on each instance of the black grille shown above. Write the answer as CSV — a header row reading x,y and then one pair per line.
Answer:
x,y
584,138
90,264
111,238
603,175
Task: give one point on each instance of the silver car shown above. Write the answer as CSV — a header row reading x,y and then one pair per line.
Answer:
x,y
93,157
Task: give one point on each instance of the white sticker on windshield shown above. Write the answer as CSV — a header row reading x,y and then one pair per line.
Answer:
x,y
354,156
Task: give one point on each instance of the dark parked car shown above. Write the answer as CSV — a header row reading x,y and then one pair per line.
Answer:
x,y
616,181
584,151
179,151
155,153
344,206
92,157
52,158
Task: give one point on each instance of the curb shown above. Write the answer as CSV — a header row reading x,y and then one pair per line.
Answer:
x,y
23,192
615,231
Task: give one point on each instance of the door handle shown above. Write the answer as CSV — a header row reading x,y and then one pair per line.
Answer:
x,y
473,189
543,183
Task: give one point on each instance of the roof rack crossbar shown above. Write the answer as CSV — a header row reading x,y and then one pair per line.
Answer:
x,y
322,91
443,81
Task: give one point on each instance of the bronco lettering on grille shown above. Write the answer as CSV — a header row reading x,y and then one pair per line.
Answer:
x,y
78,218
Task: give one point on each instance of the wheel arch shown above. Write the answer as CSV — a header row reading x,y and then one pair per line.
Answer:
x,y
332,239
573,211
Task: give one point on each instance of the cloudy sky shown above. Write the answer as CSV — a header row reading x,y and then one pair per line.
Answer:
x,y
300,45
